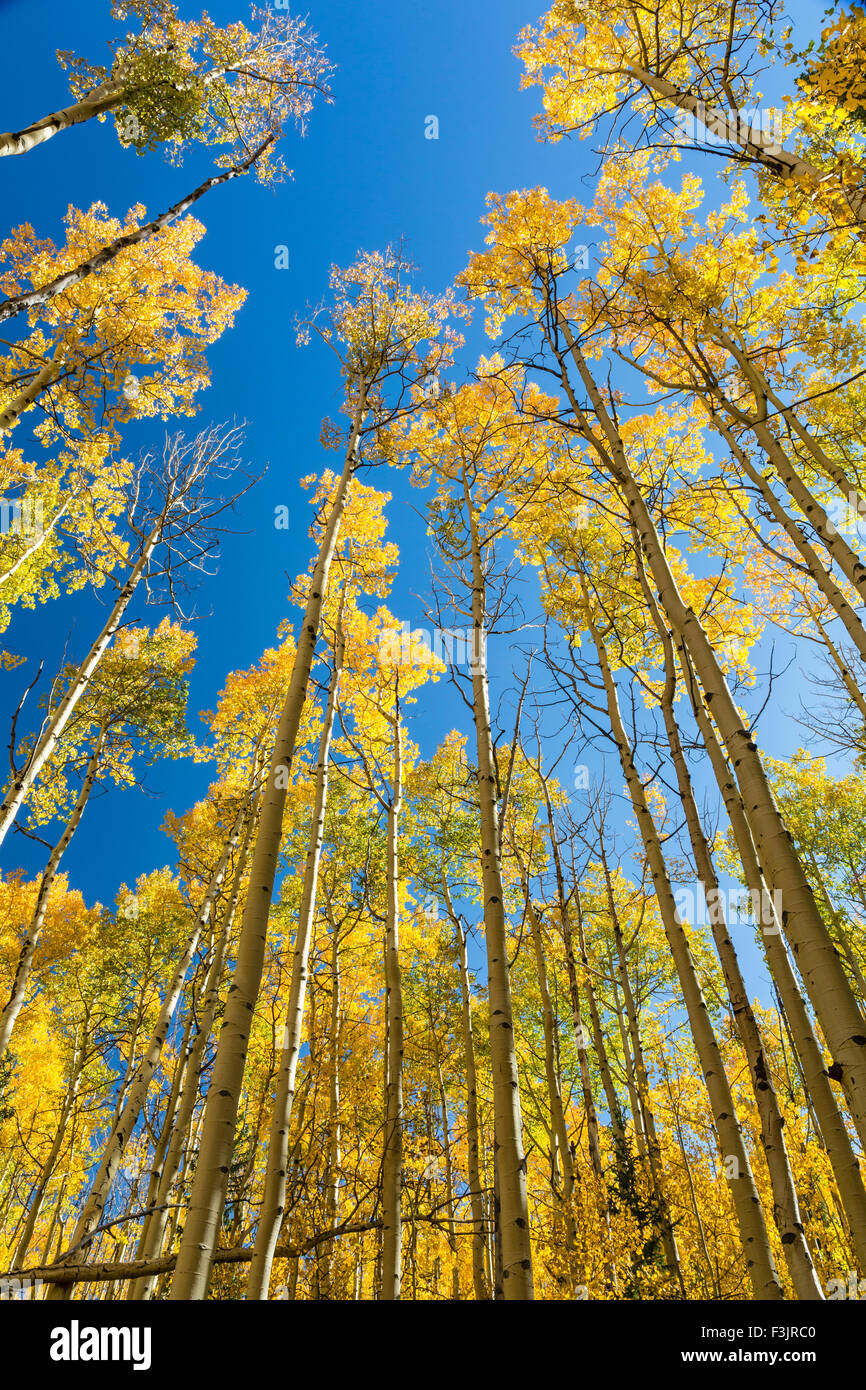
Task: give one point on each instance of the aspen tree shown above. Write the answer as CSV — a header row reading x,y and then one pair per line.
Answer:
x,y
383,327
825,980
166,1172
644,1118
696,61
557,1112
753,1232
125,343
786,1208
140,1081
38,1195
474,446
178,513
60,283
273,1199
176,81
833,1130
379,740
480,1262
12,1008
392,1161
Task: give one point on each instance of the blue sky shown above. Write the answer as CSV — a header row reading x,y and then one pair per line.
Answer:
x,y
365,175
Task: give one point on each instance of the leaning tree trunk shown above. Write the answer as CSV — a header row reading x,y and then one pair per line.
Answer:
x,y
136,1095
50,734
764,392
786,1206
833,541
104,98
852,689
325,1254
574,992
643,1110
156,1224
207,1198
34,298
554,1093
38,1195
760,148
831,1125
18,993
276,1171
828,986
823,579
160,1149
750,1220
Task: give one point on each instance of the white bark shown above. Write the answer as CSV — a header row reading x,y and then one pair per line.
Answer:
x,y
207,1199
276,1171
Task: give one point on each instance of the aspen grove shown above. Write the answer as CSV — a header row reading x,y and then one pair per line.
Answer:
x,y
507,938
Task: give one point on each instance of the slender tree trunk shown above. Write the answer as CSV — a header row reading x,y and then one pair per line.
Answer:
x,y
44,534
554,1093
786,1206
163,1218
49,737
38,1195
192,1272
451,1227
629,1069
508,1138
643,1110
274,1194
833,916
833,541
858,699
841,1021
157,1163
574,991
846,1168
687,1167
54,1221
106,97
822,577
480,1263
392,1158
760,148
496,1233
34,298
750,1220
334,1151
614,1109
18,993
137,1093
764,393
620,1142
